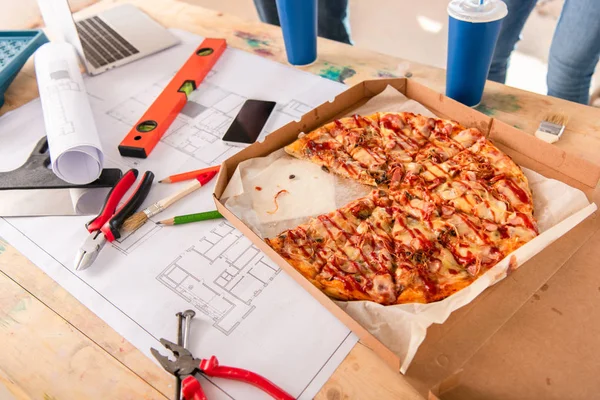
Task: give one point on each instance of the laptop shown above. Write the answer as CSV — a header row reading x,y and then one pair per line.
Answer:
x,y
112,38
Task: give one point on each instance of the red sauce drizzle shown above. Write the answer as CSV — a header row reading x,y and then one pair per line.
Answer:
x,y
358,119
416,234
436,166
341,214
403,143
275,200
326,228
370,153
389,125
468,200
382,238
258,188
322,217
473,227
320,256
374,257
349,168
489,207
294,238
503,232
317,147
410,140
463,260
399,220
519,193
428,283
349,285
527,221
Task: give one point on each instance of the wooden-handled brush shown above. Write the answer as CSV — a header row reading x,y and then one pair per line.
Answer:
x,y
138,219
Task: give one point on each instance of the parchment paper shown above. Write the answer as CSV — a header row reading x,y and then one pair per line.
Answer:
x,y
402,328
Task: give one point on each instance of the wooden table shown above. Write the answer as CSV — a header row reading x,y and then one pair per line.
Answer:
x,y
55,348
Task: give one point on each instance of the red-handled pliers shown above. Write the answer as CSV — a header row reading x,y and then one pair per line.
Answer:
x,y
186,366
105,227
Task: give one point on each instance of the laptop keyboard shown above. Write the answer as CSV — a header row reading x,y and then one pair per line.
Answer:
x,y
101,44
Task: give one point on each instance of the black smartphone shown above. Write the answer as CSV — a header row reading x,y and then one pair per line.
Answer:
x,y
249,122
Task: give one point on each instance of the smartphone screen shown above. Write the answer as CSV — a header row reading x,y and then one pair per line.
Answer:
x,y
249,122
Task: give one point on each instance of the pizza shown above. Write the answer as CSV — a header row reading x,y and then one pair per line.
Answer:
x,y
446,206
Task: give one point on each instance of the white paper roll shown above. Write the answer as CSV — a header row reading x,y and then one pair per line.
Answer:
x,y
74,145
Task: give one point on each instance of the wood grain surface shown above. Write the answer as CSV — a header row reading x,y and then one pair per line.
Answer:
x,y
55,348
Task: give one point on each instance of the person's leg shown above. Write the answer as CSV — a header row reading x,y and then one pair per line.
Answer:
x,y
332,18
267,11
575,51
512,25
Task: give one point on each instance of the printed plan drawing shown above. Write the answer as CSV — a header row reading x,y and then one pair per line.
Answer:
x,y
210,109
248,312
221,275
61,82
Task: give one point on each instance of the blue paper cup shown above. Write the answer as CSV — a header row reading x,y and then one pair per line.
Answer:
x,y
473,30
298,19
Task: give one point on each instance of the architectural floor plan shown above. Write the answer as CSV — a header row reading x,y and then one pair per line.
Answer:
x,y
220,276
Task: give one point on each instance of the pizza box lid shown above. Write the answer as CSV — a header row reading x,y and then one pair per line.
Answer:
x,y
520,330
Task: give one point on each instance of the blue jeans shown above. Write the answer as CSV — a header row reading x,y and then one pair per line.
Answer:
x,y
332,18
574,52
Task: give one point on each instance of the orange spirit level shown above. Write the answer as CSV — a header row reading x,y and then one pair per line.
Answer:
x,y
146,133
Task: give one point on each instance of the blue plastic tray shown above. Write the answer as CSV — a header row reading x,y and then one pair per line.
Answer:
x,y
15,48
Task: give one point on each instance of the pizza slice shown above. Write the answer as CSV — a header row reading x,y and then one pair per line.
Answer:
x,y
508,183
471,183
322,250
426,271
361,138
322,149
515,230
400,143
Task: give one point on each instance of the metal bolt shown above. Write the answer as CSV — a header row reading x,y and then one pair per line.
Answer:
x,y
179,328
179,342
188,315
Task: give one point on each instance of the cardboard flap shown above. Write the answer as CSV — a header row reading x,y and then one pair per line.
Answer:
x,y
542,152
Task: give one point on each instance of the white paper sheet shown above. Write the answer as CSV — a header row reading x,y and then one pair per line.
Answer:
x,y
402,328
75,149
248,313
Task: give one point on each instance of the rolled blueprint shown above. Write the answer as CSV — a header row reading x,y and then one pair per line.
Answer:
x,y
73,142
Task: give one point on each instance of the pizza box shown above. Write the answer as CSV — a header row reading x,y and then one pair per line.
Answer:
x,y
518,338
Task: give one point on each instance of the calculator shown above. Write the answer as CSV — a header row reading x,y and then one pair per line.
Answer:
x,y
15,48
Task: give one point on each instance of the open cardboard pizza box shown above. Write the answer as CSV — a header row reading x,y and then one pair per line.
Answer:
x,y
533,335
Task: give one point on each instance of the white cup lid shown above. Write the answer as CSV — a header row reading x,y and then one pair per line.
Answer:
x,y
472,11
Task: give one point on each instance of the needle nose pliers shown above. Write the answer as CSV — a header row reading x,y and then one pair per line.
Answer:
x,y
186,366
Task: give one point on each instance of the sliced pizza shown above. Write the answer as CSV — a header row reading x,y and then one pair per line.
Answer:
x,y
450,205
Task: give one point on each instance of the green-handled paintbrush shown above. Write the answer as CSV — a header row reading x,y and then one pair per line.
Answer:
x,y
186,219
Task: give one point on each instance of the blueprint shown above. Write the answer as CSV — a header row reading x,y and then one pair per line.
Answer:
x,y
248,312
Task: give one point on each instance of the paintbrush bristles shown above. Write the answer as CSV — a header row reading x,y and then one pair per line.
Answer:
x,y
557,118
134,222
